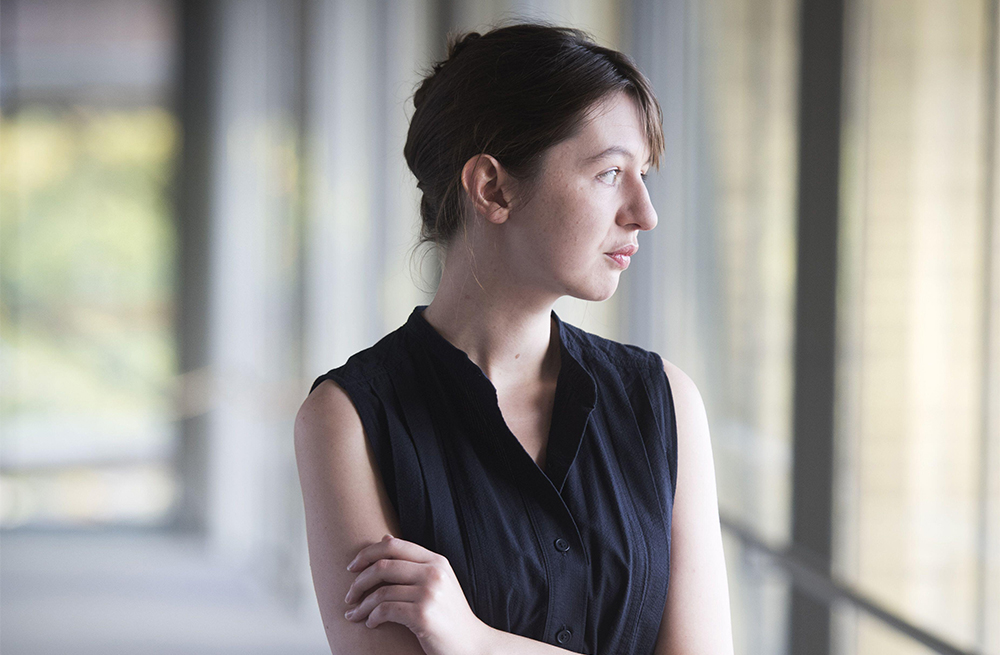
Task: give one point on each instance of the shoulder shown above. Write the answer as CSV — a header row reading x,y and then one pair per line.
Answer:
x,y
373,362
339,400
626,360
693,440
328,406
332,440
630,360
688,403
346,407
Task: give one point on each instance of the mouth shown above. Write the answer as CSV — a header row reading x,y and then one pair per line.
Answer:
x,y
622,256
620,260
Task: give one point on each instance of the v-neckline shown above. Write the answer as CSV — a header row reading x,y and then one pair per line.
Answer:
x,y
575,397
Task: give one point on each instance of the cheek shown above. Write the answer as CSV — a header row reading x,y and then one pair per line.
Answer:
x,y
567,240
584,233
573,215
566,230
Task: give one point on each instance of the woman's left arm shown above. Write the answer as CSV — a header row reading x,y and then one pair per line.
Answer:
x,y
403,582
696,618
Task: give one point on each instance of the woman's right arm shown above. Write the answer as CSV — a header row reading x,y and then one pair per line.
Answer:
x,y
346,509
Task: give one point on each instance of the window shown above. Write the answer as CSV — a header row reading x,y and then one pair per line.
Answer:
x,y
87,264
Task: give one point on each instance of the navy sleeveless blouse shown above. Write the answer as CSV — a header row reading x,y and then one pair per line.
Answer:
x,y
576,555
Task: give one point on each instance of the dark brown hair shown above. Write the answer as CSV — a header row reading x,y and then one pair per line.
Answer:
x,y
512,93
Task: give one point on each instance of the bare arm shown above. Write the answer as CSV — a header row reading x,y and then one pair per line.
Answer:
x,y
347,509
696,618
505,643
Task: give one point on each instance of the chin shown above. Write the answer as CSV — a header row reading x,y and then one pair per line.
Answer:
x,y
596,291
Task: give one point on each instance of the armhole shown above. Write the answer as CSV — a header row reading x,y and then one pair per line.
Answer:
x,y
368,404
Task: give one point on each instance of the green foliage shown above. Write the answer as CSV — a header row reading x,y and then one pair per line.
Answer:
x,y
87,251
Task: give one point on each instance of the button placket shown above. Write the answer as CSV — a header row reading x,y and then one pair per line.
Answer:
x,y
568,568
568,572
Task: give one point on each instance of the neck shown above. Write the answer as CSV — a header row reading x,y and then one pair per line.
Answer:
x,y
506,330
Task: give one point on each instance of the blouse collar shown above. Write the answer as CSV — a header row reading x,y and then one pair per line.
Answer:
x,y
582,385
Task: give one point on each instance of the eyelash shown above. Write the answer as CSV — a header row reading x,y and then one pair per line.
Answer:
x,y
619,171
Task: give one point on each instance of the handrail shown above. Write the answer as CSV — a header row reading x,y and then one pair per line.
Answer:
x,y
818,584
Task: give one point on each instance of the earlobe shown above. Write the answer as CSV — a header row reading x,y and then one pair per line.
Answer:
x,y
484,181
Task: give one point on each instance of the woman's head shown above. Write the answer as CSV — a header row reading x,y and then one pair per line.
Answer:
x,y
512,93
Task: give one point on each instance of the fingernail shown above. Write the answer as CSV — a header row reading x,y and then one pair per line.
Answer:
x,y
348,614
351,565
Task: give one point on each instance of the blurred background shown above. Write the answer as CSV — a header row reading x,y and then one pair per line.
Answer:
x,y
204,206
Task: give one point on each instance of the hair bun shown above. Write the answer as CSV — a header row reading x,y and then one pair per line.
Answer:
x,y
460,43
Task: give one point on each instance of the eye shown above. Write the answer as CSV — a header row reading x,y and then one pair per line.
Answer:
x,y
605,174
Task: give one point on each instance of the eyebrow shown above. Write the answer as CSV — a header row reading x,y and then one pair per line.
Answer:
x,y
613,150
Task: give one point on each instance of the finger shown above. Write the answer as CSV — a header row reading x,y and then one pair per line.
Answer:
x,y
395,612
388,571
406,593
391,548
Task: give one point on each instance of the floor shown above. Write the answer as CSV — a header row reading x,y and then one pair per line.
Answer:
x,y
136,593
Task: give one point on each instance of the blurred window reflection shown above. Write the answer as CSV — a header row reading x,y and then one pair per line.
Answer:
x,y
744,206
913,309
87,145
912,431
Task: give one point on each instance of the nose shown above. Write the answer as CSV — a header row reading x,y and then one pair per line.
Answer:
x,y
639,211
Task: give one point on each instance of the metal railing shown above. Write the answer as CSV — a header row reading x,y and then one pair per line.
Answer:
x,y
814,581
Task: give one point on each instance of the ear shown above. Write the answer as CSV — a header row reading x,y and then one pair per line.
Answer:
x,y
488,187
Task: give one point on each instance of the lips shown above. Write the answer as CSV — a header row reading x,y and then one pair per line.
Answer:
x,y
623,255
625,251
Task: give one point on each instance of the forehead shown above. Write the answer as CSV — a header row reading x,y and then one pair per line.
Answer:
x,y
612,125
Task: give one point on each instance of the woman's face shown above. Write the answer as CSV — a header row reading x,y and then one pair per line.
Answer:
x,y
588,201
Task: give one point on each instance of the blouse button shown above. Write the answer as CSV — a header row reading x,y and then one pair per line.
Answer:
x,y
564,635
562,545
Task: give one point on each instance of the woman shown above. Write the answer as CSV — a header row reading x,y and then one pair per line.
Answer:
x,y
487,478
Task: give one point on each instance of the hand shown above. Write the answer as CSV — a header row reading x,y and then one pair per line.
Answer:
x,y
420,591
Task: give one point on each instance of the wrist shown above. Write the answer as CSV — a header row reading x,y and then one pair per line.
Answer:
x,y
491,641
